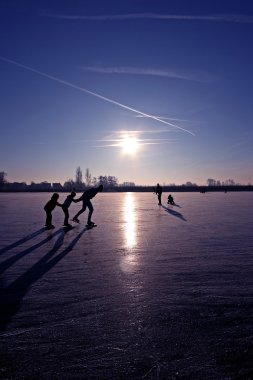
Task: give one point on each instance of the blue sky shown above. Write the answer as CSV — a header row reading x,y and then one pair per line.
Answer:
x,y
147,91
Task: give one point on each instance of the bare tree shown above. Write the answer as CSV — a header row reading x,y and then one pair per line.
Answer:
x,y
108,181
103,180
3,178
211,182
88,177
112,181
190,184
230,182
69,185
79,176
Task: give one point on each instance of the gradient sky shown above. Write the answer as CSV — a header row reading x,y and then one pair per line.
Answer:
x,y
79,76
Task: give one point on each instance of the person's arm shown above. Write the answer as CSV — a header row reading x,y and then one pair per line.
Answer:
x,y
58,204
78,199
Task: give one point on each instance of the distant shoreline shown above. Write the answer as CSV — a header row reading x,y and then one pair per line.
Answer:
x,y
119,189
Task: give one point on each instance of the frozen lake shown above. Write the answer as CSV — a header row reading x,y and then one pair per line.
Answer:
x,y
151,293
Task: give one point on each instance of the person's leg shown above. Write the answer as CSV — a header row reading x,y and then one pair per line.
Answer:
x,y
48,218
90,207
80,212
66,218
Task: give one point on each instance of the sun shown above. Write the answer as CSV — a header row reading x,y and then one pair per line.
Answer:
x,y
130,145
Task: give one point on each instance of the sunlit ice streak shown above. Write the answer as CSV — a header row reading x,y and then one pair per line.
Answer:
x,y
56,79
130,220
129,232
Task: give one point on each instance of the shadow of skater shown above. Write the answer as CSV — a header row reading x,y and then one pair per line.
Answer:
x,y
174,213
176,205
11,297
10,261
21,241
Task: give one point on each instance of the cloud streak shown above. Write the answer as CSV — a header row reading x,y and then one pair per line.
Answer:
x,y
116,139
69,84
140,142
201,77
229,18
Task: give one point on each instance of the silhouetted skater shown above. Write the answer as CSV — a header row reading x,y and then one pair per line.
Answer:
x,y
49,207
159,191
170,200
86,197
65,207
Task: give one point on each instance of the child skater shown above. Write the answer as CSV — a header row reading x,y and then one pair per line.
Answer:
x,y
65,207
86,197
49,206
170,200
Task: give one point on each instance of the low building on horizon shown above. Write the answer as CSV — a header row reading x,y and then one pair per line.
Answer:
x,y
57,186
128,184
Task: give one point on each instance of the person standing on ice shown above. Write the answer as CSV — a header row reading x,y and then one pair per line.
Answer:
x,y
49,207
86,197
65,208
159,191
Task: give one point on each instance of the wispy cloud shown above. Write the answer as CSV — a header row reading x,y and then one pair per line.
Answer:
x,y
199,77
234,18
116,139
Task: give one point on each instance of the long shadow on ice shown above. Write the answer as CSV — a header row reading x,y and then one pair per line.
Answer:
x,y
22,241
174,213
176,205
10,261
11,297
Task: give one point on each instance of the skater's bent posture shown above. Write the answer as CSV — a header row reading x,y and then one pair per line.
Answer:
x,y
86,197
49,206
170,200
159,191
65,207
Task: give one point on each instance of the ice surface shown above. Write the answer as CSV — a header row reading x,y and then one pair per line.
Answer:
x,y
152,292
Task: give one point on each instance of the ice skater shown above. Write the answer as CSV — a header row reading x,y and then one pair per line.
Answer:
x,y
170,200
65,207
159,191
86,197
49,207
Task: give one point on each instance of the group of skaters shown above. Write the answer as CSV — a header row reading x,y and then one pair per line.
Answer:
x,y
85,198
159,191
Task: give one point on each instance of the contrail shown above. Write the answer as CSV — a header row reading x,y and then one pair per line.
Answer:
x,y
41,73
234,18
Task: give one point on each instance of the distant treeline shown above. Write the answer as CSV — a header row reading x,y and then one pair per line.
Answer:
x,y
183,188
120,189
110,184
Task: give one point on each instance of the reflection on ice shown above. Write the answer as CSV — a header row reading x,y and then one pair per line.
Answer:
x,y
130,220
129,260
